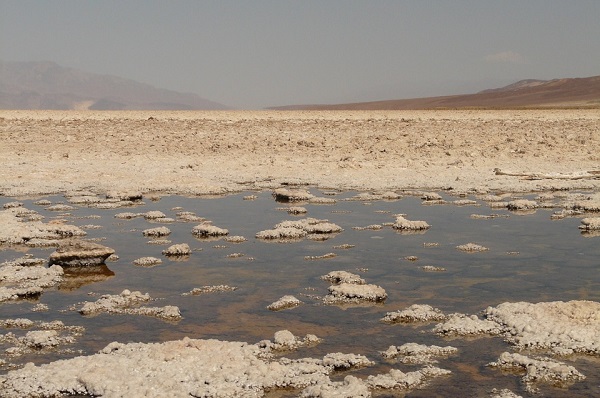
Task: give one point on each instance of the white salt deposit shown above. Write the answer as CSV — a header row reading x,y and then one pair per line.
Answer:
x,y
206,229
343,277
522,204
404,224
180,249
129,302
297,229
147,261
209,289
292,195
352,293
540,370
415,313
156,232
590,224
284,302
80,253
472,247
565,327
418,353
465,325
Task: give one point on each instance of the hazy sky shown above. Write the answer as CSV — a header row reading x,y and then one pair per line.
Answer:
x,y
253,54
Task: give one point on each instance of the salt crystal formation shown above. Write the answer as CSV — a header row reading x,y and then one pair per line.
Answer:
x,y
407,225
147,261
204,368
209,289
181,249
472,247
292,195
522,204
350,288
78,253
415,313
206,229
129,302
465,325
18,280
352,293
564,327
541,370
590,224
417,353
343,277
15,231
299,229
283,303
156,232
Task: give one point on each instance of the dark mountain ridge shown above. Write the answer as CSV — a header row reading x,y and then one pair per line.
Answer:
x,y
530,93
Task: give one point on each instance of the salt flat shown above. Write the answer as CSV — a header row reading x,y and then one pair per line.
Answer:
x,y
203,152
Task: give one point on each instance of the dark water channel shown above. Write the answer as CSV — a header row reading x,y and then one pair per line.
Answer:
x,y
531,258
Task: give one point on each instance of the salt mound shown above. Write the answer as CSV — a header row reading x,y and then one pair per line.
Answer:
x,y
292,195
284,303
299,229
415,313
156,232
522,204
129,303
464,325
343,277
565,327
206,229
472,247
80,253
418,353
352,293
590,224
539,370
404,224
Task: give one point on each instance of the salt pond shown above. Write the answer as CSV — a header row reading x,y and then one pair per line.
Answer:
x,y
531,256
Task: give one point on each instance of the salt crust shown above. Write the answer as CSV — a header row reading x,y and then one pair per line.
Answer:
x,y
352,293
284,302
235,239
504,393
156,232
472,247
207,368
292,195
297,210
465,325
206,229
418,353
47,336
590,224
564,327
15,231
297,229
129,302
18,281
541,370
79,253
404,224
415,313
343,277
209,289
147,261
522,204
181,249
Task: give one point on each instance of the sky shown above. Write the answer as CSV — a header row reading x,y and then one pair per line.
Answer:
x,y
251,54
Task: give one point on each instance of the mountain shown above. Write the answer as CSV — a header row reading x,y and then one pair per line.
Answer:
x,y
531,93
47,85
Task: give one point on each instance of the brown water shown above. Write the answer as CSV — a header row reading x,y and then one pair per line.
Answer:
x,y
554,262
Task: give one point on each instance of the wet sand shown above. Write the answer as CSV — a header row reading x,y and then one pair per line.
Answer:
x,y
46,152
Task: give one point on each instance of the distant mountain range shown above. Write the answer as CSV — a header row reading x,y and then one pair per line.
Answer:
x,y
570,92
46,85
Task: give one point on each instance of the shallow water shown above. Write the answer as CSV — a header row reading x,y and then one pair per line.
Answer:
x,y
530,258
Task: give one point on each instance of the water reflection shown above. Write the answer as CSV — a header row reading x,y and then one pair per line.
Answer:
x,y
554,262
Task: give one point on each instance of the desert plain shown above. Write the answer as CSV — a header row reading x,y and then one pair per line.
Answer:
x,y
220,151
486,153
